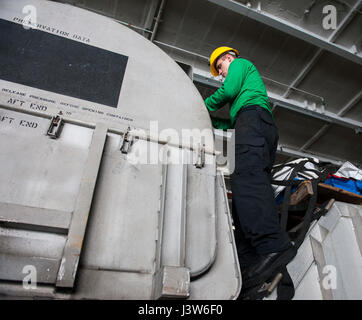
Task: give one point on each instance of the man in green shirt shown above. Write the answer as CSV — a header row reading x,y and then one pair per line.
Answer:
x,y
263,247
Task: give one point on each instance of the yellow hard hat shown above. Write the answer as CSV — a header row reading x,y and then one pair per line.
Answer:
x,y
216,54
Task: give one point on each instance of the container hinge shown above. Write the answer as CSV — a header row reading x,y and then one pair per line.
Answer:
x,y
200,157
127,141
55,127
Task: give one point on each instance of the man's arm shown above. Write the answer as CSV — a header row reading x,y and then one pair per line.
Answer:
x,y
230,88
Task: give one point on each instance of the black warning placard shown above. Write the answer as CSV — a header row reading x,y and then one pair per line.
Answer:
x,y
45,61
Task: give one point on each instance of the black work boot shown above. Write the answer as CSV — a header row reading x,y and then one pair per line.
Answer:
x,y
266,267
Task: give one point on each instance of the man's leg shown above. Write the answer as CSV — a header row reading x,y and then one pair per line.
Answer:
x,y
255,206
246,253
253,195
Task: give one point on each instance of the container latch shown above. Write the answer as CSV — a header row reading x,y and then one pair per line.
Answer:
x,y
127,141
55,127
200,163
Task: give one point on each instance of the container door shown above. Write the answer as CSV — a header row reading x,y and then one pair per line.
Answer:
x,y
46,188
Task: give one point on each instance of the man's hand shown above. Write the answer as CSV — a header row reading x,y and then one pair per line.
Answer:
x,y
220,123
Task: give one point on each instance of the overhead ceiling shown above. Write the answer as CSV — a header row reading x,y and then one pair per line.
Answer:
x,y
313,74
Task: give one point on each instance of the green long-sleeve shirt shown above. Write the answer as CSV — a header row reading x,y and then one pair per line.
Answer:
x,y
242,87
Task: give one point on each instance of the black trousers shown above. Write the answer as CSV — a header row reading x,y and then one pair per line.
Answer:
x,y
257,227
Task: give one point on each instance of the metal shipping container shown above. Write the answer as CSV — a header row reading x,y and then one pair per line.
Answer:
x,y
105,189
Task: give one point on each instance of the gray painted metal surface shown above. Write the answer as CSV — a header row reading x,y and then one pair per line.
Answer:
x,y
73,246
342,25
288,28
82,205
207,287
328,265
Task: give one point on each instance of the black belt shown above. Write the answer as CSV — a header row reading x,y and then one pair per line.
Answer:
x,y
252,107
